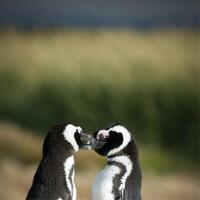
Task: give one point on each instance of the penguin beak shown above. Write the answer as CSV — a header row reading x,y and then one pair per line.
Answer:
x,y
86,141
98,144
89,142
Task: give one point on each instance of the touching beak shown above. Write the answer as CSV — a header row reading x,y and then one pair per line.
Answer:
x,y
89,143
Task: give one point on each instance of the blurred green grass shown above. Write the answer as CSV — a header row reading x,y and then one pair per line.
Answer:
x,y
147,81
21,146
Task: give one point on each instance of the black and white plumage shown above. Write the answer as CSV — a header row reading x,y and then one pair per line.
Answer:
x,y
121,178
54,178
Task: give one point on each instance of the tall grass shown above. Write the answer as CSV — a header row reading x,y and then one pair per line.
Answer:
x,y
147,81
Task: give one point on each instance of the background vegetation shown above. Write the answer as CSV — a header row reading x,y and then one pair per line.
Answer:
x,y
148,81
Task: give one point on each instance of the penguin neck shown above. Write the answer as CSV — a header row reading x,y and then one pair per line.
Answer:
x,y
56,154
58,165
123,162
121,158
59,171
57,161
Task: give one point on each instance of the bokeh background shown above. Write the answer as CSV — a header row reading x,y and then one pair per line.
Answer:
x,y
92,63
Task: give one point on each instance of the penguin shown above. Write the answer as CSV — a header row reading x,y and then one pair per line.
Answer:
x,y
54,178
121,178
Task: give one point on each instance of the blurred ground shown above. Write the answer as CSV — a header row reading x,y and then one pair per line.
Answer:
x,y
16,179
16,171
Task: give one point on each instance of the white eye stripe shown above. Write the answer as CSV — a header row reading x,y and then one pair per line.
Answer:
x,y
79,129
126,138
69,132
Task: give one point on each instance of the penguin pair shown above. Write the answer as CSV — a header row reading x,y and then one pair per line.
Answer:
x,y
119,180
54,178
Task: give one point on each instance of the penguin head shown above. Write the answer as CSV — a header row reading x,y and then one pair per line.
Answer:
x,y
64,137
115,137
75,136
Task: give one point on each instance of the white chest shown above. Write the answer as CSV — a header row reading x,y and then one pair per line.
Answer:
x,y
103,186
69,175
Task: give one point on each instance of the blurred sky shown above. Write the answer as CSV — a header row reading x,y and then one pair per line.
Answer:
x,y
89,13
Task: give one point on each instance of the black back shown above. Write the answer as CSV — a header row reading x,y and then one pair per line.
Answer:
x,y
49,181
